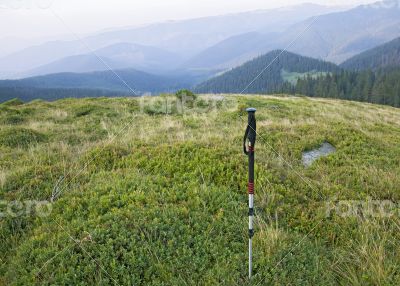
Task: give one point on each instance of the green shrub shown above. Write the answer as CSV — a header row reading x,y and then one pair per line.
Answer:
x,y
9,115
84,110
185,94
92,109
14,119
242,109
20,137
157,109
33,182
104,158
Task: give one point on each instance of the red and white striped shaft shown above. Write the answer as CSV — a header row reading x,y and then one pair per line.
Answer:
x,y
251,210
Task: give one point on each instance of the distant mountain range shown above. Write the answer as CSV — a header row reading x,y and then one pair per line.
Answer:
x,y
118,81
333,37
117,56
214,54
183,40
273,72
211,44
386,55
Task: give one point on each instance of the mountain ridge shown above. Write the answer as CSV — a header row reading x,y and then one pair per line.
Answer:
x,y
140,82
116,56
386,55
333,37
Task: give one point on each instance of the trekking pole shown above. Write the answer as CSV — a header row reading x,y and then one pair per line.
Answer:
x,y
250,141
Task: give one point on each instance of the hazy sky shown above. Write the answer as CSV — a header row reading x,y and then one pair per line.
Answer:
x,y
34,18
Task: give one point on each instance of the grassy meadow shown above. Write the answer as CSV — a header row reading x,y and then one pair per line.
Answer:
x,y
148,191
293,77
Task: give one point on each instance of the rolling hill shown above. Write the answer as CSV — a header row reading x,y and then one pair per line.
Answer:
x,y
272,79
27,94
387,55
165,203
139,81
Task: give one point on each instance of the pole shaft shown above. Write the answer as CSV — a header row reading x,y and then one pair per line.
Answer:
x,y
250,137
250,258
251,206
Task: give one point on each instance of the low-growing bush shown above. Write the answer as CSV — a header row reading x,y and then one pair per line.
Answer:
x,y
20,137
104,158
84,110
185,94
90,109
14,119
33,182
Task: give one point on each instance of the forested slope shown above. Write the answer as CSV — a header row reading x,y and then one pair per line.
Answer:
x,y
387,55
270,80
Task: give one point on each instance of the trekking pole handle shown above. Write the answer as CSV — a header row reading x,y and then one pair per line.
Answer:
x,y
251,131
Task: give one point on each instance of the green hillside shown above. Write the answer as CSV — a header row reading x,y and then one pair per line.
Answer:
x,y
372,76
145,194
293,77
121,81
387,55
271,80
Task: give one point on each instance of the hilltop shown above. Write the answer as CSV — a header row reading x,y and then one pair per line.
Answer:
x,y
145,194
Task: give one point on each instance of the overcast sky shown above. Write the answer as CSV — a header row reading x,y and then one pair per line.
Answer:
x,y
34,18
